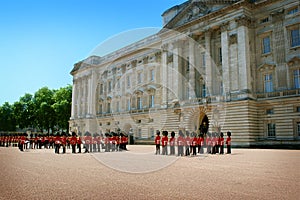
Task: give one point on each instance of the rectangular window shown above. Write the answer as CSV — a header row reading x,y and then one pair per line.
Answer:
x,y
295,38
128,81
293,11
220,55
271,130
151,101
203,90
298,129
139,77
264,20
108,108
268,83
297,78
266,45
269,111
151,132
139,133
298,109
100,109
118,107
139,103
118,84
128,105
152,74
203,60
101,89
187,64
109,86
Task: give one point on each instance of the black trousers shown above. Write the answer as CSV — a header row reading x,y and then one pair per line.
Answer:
x,y
79,148
221,149
187,150
194,150
73,148
157,149
180,151
57,146
165,150
172,150
229,149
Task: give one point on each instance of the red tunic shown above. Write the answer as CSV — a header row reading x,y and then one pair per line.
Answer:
x,y
88,139
164,141
57,140
95,140
195,141
200,141
79,140
172,141
63,140
188,141
180,141
221,141
228,141
73,140
208,141
157,139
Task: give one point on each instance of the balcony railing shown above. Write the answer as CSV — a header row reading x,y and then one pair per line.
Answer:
x,y
275,94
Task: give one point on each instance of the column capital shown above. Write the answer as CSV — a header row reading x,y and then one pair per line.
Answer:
x,y
224,27
245,21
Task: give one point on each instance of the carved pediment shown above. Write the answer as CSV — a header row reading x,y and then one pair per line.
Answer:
x,y
266,66
294,61
195,9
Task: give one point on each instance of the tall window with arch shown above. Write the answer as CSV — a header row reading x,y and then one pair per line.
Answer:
x,y
296,78
151,101
268,83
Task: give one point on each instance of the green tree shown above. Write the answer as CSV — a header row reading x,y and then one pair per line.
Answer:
x,y
24,111
62,106
44,112
7,120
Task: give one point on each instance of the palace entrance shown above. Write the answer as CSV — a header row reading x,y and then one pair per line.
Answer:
x,y
204,125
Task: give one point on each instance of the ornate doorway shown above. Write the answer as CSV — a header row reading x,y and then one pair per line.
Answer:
x,y
204,125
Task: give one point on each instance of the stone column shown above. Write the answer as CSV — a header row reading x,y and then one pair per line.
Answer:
x,y
177,62
225,59
164,75
192,64
208,63
74,98
244,54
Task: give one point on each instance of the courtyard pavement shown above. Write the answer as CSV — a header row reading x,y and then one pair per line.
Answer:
x,y
139,174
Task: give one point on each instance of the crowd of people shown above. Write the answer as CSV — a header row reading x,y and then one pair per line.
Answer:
x,y
191,144
188,144
90,143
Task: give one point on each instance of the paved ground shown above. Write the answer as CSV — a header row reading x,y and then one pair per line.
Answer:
x,y
139,174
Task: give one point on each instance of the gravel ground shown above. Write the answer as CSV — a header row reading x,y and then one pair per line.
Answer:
x,y
139,174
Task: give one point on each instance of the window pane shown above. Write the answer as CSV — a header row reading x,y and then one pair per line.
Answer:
x,y
268,83
203,90
266,45
271,130
295,38
298,129
297,78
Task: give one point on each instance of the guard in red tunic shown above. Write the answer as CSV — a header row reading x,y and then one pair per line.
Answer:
x,y
57,143
194,143
64,141
172,143
99,141
208,143
164,143
88,142
221,142
73,141
95,141
79,142
228,142
107,142
180,143
201,144
157,142
187,143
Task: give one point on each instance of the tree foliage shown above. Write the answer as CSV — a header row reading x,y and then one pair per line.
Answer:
x,y
45,110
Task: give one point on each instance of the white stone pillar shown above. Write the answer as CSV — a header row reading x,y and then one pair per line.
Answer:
x,y
192,64
177,70
74,99
244,55
208,63
225,59
164,75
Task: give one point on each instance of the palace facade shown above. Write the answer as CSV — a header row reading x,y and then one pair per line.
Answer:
x,y
216,65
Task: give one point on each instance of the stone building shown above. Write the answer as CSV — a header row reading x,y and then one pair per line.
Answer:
x,y
216,65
